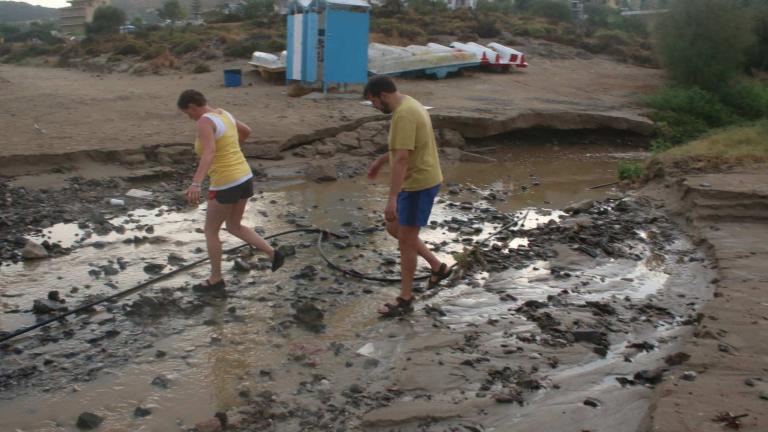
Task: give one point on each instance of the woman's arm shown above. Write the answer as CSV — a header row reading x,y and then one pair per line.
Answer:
x,y
243,131
206,136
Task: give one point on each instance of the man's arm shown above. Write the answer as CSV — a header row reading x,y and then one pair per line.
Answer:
x,y
375,167
399,169
397,178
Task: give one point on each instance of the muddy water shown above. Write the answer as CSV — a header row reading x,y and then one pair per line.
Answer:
x,y
208,365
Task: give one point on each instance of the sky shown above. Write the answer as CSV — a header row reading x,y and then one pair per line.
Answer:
x,y
47,3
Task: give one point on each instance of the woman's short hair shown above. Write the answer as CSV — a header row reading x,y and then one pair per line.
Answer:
x,y
191,97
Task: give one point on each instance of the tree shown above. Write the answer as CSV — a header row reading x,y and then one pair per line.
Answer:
x,y
393,6
171,11
758,52
523,5
195,7
556,10
256,9
106,20
704,42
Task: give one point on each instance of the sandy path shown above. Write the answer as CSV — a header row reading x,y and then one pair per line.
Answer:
x,y
729,348
84,111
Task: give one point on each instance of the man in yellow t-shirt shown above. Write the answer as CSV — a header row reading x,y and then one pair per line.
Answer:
x,y
415,179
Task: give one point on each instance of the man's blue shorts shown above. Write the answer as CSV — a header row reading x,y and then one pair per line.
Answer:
x,y
414,208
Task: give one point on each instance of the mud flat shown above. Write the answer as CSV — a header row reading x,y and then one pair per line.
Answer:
x,y
566,318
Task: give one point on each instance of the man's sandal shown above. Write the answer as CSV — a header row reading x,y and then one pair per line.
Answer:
x,y
206,286
400,308
444,272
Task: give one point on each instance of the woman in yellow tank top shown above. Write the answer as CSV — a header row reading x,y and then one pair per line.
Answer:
x,y
218,140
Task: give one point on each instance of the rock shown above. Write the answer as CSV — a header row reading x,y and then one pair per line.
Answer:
x,y
54,296
287,250
626,205
348,140
590,336
326,148
356,389
587,250
154,269
142,412
306,151
211,425
242,266
176,259
689,376
508,397
591,402
309,315
450,154
677,359
369,131
161,381
580,207
749,382
321,172
653,376
32,251
109,270
764,395
262,151
44,306
449,138
88,421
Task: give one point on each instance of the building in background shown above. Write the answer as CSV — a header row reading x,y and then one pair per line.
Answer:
x,y
72,19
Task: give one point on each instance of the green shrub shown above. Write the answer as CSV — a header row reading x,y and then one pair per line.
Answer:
x,y
22,53
677,128
201,68
114,58
106,20
154,52
186,47
630,170
132,49
487,28
748,99
245,48
694,102
660,145
704,42
427,6
555,10
605,39
534,30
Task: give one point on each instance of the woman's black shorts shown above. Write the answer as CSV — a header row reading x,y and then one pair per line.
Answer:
x,y
233,194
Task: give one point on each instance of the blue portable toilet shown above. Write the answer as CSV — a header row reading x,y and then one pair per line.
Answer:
x,y
328,42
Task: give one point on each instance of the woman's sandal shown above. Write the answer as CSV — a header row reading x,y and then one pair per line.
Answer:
x,y
400,308
444,272
207,286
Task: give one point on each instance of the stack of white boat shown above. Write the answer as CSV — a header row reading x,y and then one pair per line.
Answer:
x,y
431,59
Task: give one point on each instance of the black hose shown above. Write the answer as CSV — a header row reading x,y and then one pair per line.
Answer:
x,y
140,286
357,274
321,237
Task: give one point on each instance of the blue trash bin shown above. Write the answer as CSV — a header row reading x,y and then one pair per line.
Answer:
x,y
233,77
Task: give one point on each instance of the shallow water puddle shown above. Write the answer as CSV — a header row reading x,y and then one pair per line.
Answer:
x,y
208,365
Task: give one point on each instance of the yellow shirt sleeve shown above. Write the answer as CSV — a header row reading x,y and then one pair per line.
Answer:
x,y
403,135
